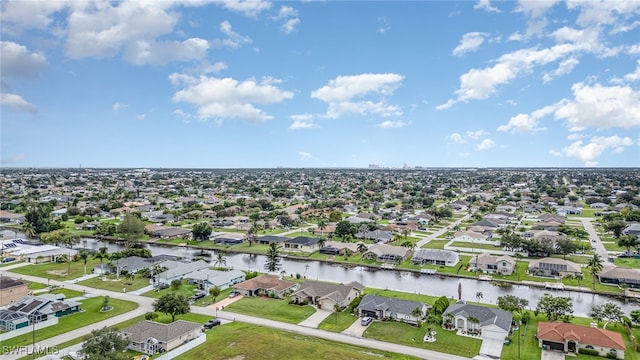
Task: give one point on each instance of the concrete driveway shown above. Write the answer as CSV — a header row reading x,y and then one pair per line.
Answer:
x,y
552,355
316,318
224,302
356,329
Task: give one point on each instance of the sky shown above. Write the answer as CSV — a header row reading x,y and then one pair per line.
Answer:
x,y
317,84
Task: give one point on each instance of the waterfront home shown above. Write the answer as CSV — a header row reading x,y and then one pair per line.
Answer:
x,y
327,295
488,322
569,338
620,276
553,267
435,257
265,285
387,253
384,308
486,262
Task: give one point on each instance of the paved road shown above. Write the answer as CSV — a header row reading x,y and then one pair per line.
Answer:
x,y
600,249
146,305
339,337
441,231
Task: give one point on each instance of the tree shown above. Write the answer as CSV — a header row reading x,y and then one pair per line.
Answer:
x,y
362,248
60,237
101,255
629,241
345,228
132,228
335,216
441,305
322,224
116,256
635,316
417,312
615,227
214,292
321,242
273,258
82,255
172,304
479,295
28,230
105,304
595,267
609,311
556,308
512,303
566,246
151,315
221,261
105,344
201,231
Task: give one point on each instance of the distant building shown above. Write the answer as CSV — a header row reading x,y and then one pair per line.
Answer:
x,y
12,290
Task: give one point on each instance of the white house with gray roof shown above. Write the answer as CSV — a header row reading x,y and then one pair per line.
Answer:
x,y
380,307
435,257
492,323
207,278
178,270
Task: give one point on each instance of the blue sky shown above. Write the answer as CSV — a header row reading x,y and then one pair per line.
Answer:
x,y
234,84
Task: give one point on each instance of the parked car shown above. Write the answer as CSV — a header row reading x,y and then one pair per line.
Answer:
x,y
211,323
366,320
198,296
234,294
9,259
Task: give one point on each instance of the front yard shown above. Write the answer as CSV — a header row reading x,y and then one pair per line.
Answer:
x,y
274,309
114,283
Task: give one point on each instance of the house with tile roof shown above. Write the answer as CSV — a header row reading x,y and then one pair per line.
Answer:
x,y
152,337
265,285
381,307
569,338
327,295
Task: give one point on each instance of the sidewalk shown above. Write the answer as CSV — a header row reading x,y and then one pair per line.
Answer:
x,y
82,278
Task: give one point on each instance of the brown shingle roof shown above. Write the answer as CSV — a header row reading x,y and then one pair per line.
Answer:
x,y
266,282
559,332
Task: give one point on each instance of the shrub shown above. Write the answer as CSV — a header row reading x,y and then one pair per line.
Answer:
x,y
588,351
612,355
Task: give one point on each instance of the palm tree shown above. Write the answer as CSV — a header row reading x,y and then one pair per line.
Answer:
x,y
102,254
116,256
82,255
595,266
479,295
628,241
417,312
221,261
322,225
321,242
29,230
362,248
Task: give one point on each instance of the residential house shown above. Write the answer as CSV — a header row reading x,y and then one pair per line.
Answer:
x,y
471,236
207,278
327,295
621,276
170,233
599,205
491,323
10,217
569,338
339,248
152,337
486,262
387,253
36,254
553,219
553,267
178,270
632,229
131,264
375,235
36,309
380,307
491,222
435,257
301,243
265,285
268,239
12,290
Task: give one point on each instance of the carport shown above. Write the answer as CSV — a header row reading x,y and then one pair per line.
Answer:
x,y
552,345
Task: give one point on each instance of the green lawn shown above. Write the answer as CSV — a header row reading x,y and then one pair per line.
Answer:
x,y
90,315
435,244
427,299
68,293
337,322
475,246
405,334
57,271
185,289
245,341
113,284
627,262
274,309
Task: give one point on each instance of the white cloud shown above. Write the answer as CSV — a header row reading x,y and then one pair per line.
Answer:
x,y
302,121
590,152
233,40
388,124
575,136
535,8
469,42
117,106
150,52
290,17
304,155
21,15
564,68
634,76
622,28
18,61
633,49
475,135
600,107
225,98
521,123
249,8
16,102
516,36
141,116
486,6
485,144
480,84
603,12
457,138
340,92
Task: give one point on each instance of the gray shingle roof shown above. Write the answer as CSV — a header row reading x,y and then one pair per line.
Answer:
x,y
143,330
486,315
375,302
